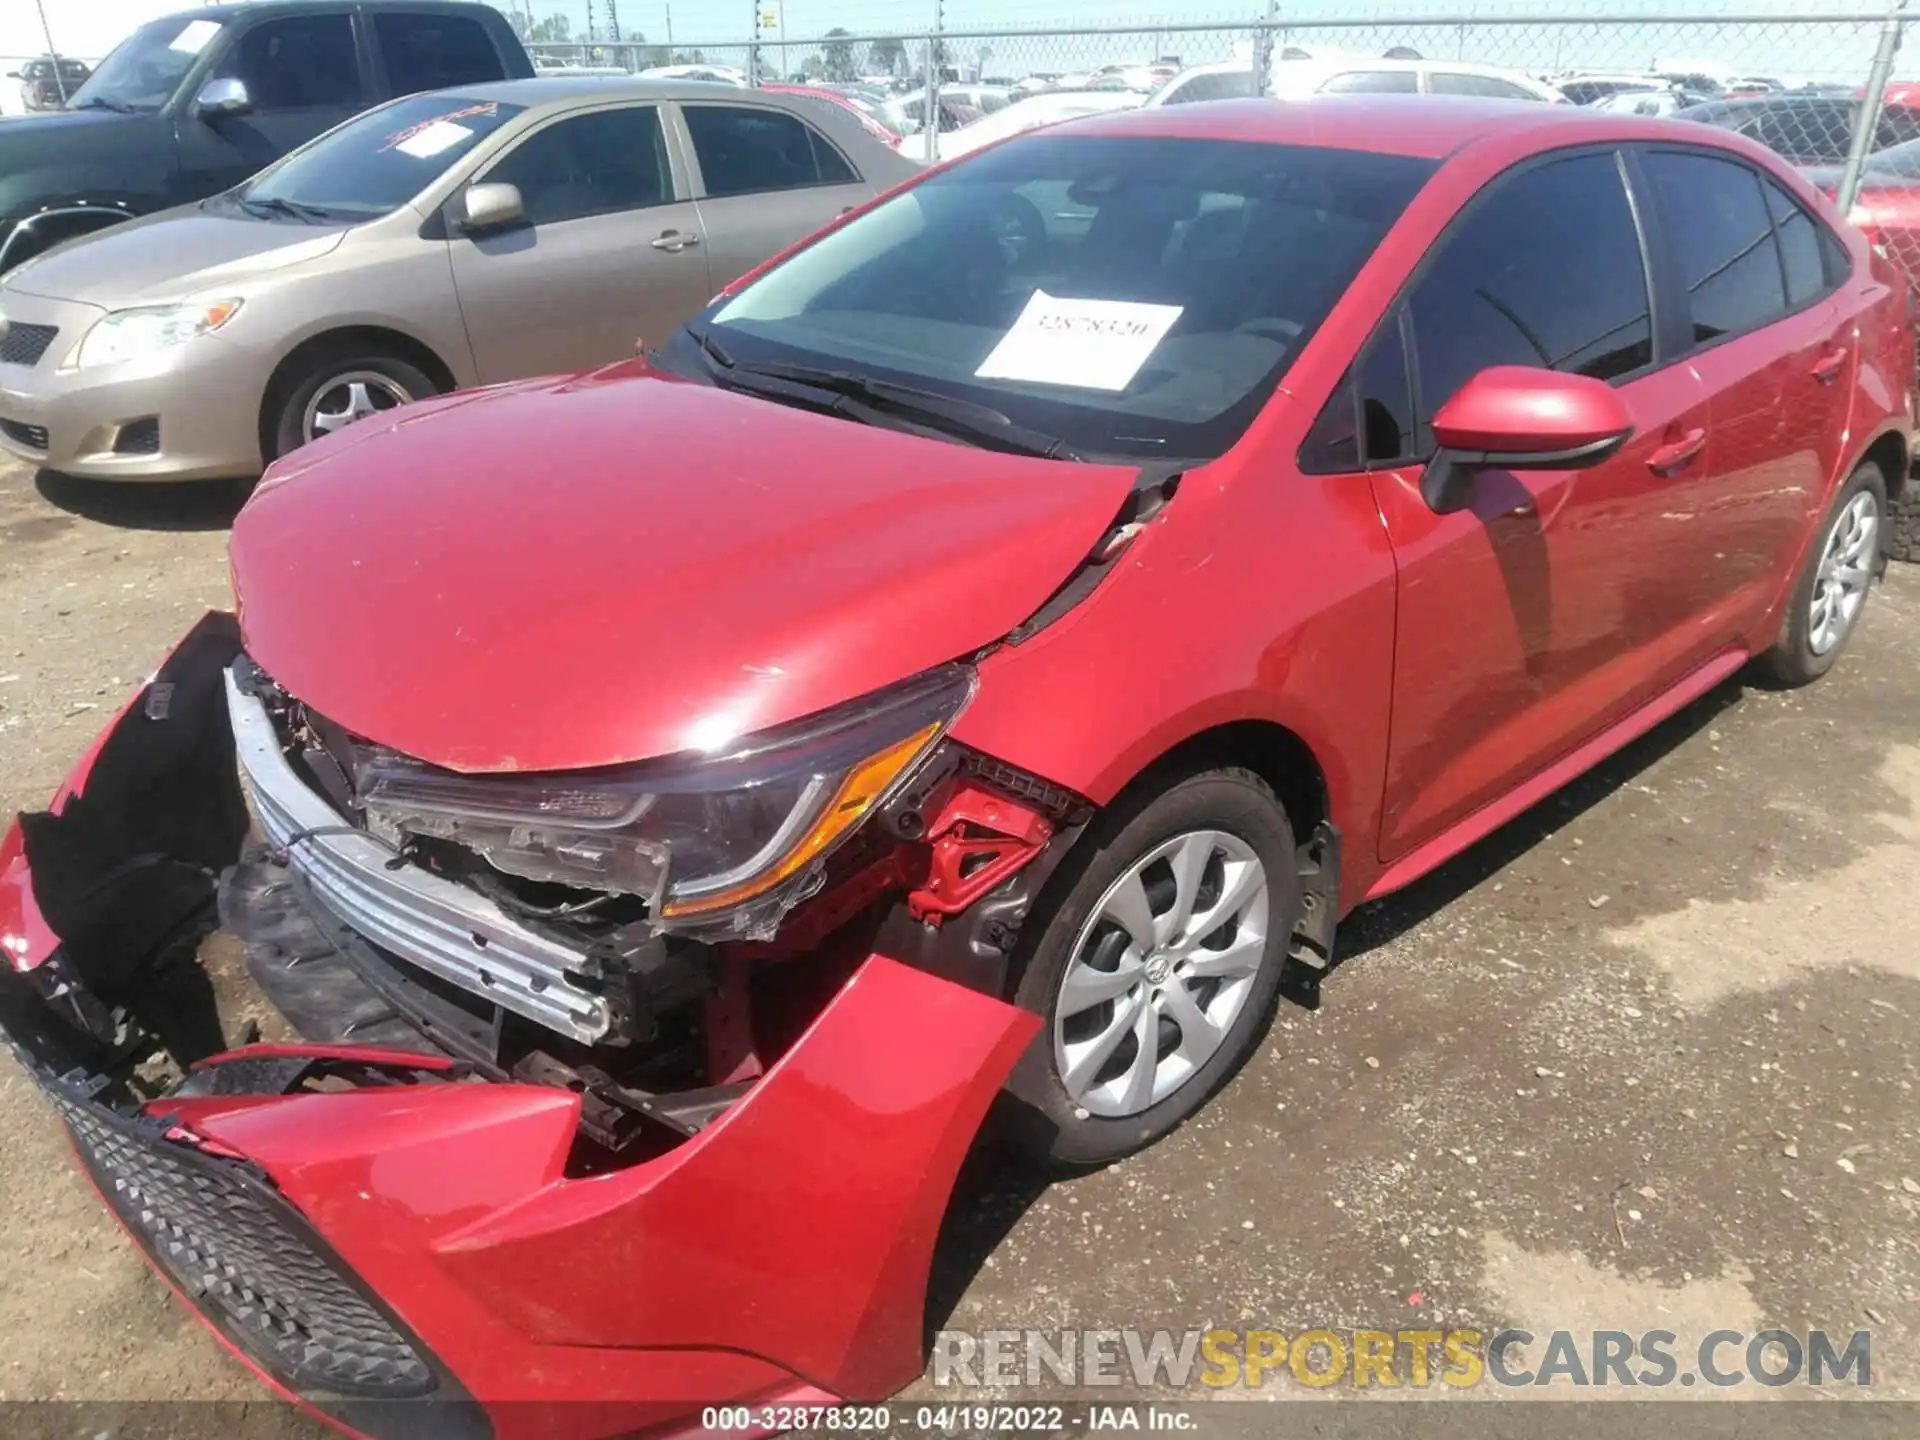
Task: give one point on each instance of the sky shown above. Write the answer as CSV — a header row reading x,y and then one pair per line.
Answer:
x,y
1829,50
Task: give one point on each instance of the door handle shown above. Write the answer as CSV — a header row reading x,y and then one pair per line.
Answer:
x,y
674,241
1678,455
1827,368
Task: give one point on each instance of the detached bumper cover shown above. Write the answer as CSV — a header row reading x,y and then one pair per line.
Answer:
x,y
412,1255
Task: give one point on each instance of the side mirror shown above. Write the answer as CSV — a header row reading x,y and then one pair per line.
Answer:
x,y
15,75
221,98
1515,417
492,206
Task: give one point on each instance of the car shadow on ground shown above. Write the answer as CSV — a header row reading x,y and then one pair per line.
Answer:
x,y
991,1193
146,505
1383,921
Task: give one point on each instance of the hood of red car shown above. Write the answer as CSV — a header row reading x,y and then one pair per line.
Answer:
x,y
569,573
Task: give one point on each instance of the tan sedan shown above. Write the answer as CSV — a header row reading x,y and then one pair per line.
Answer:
x,y
440,241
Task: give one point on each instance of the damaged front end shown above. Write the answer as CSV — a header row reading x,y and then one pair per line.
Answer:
x,y
434,1093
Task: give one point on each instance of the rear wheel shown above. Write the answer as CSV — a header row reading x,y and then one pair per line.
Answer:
x,y
339,388
1155,969
1839,570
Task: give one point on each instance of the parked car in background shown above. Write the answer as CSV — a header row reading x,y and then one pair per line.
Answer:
x,y
684,797
1030,114
1887,212
960,105
708,74
47,83
1230,80
1805,129
871,115
1651,101
1585,87
192,104
456,238
1358,75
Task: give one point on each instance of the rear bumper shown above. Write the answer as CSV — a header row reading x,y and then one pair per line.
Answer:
x,y
407,1250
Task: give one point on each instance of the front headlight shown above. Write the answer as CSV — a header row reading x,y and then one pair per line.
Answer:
x,y
131,334
702,838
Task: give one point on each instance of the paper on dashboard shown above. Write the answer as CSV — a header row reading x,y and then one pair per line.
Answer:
x,y
1091,344
193,36
430,140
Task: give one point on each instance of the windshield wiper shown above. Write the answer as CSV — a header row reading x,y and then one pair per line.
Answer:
x,y
291,209
118,107
873,402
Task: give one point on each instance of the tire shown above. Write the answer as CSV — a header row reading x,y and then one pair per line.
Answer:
x,y
1233,817
1804,652
1903,526
385,380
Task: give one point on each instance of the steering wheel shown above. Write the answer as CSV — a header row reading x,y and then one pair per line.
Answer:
x,y
1018,229
1271,326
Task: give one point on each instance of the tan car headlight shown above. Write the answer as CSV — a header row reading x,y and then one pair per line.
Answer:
x,y
131,334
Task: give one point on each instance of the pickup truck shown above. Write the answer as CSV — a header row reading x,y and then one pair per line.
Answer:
x,y
192,104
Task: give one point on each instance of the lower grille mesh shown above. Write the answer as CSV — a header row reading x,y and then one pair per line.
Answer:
x,y
244,1256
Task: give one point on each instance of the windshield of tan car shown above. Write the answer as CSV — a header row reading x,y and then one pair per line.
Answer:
x,y
377,162
1134,296
147,67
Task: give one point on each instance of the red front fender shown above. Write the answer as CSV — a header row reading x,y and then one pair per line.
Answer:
x,y
797,1229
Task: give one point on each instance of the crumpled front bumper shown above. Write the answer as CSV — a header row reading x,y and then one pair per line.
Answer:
x,y
409,1252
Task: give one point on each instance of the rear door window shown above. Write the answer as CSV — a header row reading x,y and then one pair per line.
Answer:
x,y
1498,292
1811,134
1898,124
1452,82
1715,220
1227,85
1372,82
747,150
434,51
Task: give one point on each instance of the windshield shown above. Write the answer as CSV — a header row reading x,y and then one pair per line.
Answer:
x,y
147,67
377,162
1902,159
1137,297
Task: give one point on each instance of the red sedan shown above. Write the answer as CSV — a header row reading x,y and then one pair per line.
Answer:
x,y
984,654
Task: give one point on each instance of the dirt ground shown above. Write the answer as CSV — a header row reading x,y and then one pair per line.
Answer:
x,y
1645,1059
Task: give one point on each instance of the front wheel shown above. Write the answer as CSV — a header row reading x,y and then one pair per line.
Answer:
x,y
1832,591
1155,969
336,390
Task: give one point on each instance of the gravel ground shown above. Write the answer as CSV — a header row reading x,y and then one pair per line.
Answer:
x,y
1645,1059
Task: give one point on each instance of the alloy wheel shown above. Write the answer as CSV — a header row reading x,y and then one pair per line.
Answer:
x,y
1160,972
350,398
1846,570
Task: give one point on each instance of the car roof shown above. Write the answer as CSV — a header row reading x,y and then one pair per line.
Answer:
x,y
243,8
1339,64
1423,126
559,88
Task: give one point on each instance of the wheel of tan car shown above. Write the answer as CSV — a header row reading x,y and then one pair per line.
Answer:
x,y
1840,568
1903,525
1153,958
336,388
